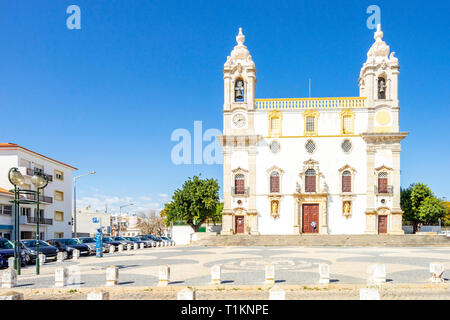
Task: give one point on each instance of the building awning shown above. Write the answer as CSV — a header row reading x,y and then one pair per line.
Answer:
x,y
5,227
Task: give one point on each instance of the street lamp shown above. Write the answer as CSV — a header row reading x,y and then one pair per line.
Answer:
x,y
40,181
120,213
16,178
75,200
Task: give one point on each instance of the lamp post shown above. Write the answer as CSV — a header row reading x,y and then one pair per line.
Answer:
x,y
75,201
40,182
16,178
120,213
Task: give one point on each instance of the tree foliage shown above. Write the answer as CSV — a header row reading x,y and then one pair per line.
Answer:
x,y
196,202
420,206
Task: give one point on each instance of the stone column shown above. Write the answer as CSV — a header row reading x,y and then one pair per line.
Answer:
x,y
252,212
396,212
296,216
227,214
370,196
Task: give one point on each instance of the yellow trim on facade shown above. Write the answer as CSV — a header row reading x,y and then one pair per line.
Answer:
x,y
273,115
60,193
56,213
58,172
344,114
57,235
311,114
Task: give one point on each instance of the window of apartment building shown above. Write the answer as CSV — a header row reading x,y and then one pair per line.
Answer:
x,y
346,181
59,235
310,180
41,213
59,195
24,163
25,212
6,209
59,175
59,216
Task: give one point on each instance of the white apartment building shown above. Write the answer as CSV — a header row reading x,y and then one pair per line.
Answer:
x,y
312,165
89,220
55,201
6,214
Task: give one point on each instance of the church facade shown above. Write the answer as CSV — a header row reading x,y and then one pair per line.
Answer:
x,y
312,165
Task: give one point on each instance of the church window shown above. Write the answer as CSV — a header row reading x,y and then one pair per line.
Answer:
x,y
239,184
275,118
274,182
346,145
347,125
310,122
346,181
310,180
382,182
275,147
347,121
310,146
239,90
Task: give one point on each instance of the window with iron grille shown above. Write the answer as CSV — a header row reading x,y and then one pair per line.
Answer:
x,y
310,146
348,124
346,145
7,210
310,124
239,184
275,147
346,181
276,123
310,180
382,182
274,182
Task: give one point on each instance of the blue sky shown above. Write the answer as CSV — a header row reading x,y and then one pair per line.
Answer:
x,y
108,97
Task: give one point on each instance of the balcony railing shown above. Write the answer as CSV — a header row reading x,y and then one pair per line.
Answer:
x,y
235,192
310,103
42,198
33,220
387,190
30,172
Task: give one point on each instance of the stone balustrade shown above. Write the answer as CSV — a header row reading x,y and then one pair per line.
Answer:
x,y
310,103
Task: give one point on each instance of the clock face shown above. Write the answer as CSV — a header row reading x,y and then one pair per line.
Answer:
x,y
239,120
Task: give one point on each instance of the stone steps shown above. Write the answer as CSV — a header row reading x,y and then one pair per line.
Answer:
x,y
323,240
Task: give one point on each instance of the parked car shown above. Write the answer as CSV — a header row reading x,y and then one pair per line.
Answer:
x,y
29,246
7,251
148,242
109,241
136,240
92,244
68,245
123,241
156,239
170,241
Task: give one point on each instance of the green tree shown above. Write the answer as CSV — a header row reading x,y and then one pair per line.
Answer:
x,y
194,203
446,219
420,206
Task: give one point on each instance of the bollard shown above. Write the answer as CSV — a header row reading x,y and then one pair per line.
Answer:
x,y
12,295
141,245
135,246
112,276
277,293
369,294
186,294
324,272
60,256
437,272
11,262
98,295
129,246
120,249
270,274
376,273
112,248
164,276
42,259
75,254
216,274
9,278
65,255
61,275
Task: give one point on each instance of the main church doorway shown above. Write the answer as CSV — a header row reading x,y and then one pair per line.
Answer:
x,y
239,224
310,214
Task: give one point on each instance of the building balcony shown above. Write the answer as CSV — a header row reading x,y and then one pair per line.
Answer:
x,y
42,198
386,191
33,220
311,103
30,172
243,193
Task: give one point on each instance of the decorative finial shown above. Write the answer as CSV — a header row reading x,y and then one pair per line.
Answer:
x,y
240,38
378,36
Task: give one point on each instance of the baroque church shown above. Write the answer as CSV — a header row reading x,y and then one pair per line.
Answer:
x,y
312,165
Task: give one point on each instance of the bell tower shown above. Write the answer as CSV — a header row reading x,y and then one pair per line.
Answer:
x,y
239,142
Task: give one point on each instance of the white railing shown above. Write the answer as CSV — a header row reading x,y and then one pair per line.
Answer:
x,y
310,103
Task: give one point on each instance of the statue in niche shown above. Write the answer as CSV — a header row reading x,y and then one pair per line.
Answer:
x,y
274,211
347,208
239,90
381,88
